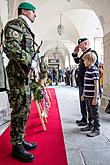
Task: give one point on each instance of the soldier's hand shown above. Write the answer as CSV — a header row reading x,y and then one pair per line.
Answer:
x,y
33,65
76,50
30,74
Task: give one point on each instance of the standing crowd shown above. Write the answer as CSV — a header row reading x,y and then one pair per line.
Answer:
x,y
68,76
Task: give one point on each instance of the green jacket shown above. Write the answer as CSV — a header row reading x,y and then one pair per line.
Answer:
x,y
19,42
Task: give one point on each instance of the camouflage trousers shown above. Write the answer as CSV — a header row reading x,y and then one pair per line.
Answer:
x,y
20,103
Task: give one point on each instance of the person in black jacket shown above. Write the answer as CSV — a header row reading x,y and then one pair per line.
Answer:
x,y
84,46
76,77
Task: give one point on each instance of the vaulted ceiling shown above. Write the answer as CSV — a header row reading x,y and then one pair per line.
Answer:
x,y
80,18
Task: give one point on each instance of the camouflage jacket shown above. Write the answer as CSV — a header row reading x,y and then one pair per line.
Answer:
x,y
19,42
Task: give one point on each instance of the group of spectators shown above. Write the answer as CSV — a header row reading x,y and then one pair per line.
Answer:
x,y
69,76
55,75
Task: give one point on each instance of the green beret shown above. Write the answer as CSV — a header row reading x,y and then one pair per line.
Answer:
x,y
26,6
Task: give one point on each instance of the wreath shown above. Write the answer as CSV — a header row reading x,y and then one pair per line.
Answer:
x,y
37,88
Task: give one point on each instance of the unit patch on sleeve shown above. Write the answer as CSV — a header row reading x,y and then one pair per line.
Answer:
x,y
15,34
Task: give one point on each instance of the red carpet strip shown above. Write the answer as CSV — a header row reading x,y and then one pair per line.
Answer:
x,y
51,148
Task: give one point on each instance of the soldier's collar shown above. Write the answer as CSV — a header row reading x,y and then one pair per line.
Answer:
x,y
26,19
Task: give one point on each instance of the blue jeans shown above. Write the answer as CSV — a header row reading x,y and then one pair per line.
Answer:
x,y
94,113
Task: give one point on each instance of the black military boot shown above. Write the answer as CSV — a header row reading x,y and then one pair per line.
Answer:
x,y
87,128
29,146
19,152
94,133
78,121
82,123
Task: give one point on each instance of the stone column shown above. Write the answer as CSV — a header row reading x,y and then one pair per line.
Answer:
x,y
13,8
106,94
4,104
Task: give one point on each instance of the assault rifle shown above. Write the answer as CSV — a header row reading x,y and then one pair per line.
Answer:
x,y
37,51
36,59
28,78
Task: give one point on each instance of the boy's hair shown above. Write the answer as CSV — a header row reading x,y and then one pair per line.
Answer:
x,y
91,57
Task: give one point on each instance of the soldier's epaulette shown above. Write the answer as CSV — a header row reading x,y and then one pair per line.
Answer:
x,y
15,27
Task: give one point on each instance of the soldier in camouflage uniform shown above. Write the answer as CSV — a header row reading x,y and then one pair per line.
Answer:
x,y
19,48
43,68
